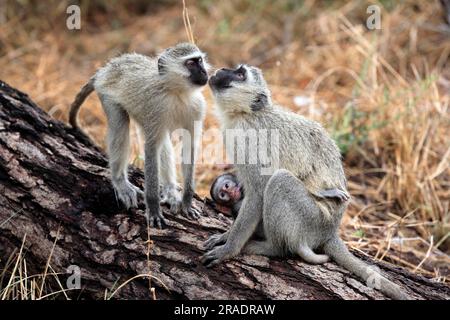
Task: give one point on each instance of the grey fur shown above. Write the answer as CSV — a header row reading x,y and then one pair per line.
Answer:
x,y
235,205
259,102
297,217
131,86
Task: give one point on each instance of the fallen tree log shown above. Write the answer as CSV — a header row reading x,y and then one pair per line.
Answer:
x,y
54,183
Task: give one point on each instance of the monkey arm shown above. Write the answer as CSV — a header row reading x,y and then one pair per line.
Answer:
x,y
242,229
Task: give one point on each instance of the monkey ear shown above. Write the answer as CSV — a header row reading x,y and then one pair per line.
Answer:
x,y
259,102
161,67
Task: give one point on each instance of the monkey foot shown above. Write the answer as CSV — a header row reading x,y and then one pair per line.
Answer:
x,y
171,197
191,213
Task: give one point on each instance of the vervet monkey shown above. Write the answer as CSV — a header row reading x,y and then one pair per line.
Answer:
x,y
296,219
161,94
228,194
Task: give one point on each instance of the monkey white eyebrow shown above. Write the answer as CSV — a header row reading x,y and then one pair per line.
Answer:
x,y
249,73
194,56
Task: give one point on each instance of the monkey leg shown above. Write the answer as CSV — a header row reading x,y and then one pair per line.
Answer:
x,y
264,248
187,168
309,256
292,219
151,173
167,172
118,145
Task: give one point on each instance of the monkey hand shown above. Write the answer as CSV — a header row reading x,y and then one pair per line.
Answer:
x,y
215,240
217,255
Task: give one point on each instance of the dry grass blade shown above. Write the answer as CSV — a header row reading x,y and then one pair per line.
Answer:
x,y
22,286
11,278
427,255
149,246
147,275
187,23
48,263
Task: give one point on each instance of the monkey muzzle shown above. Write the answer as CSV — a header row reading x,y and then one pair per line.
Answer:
x,y
217,83
223,78
235,193
199,76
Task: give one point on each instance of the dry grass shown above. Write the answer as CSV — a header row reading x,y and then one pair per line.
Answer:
x,y
18,283
382,94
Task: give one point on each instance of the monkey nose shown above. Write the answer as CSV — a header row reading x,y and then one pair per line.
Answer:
x,y
236,194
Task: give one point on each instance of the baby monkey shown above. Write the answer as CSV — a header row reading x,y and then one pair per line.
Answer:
x,y
228,193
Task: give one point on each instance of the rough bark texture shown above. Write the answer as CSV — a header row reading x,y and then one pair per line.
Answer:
x,y
53,178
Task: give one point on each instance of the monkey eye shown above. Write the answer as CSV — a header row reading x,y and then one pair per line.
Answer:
x,y
227,185
240,76
222,195
190,63
200,60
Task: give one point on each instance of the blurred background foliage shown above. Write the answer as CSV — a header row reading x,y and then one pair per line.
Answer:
x,y
382,94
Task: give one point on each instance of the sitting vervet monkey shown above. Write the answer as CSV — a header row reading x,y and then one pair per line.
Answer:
x,y
228,193
161,94
296,219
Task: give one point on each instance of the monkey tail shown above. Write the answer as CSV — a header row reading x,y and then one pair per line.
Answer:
x,y
79,99
338,251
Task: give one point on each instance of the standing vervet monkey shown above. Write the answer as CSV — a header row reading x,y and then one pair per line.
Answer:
x,y
295,217
161,94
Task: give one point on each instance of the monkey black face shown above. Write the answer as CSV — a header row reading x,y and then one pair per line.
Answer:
x,y
224,78
198,75
183,64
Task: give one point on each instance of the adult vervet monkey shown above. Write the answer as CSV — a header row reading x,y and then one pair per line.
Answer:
x,y
161,94
228,194
296,218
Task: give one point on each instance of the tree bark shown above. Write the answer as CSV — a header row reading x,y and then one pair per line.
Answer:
x,y
54,182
